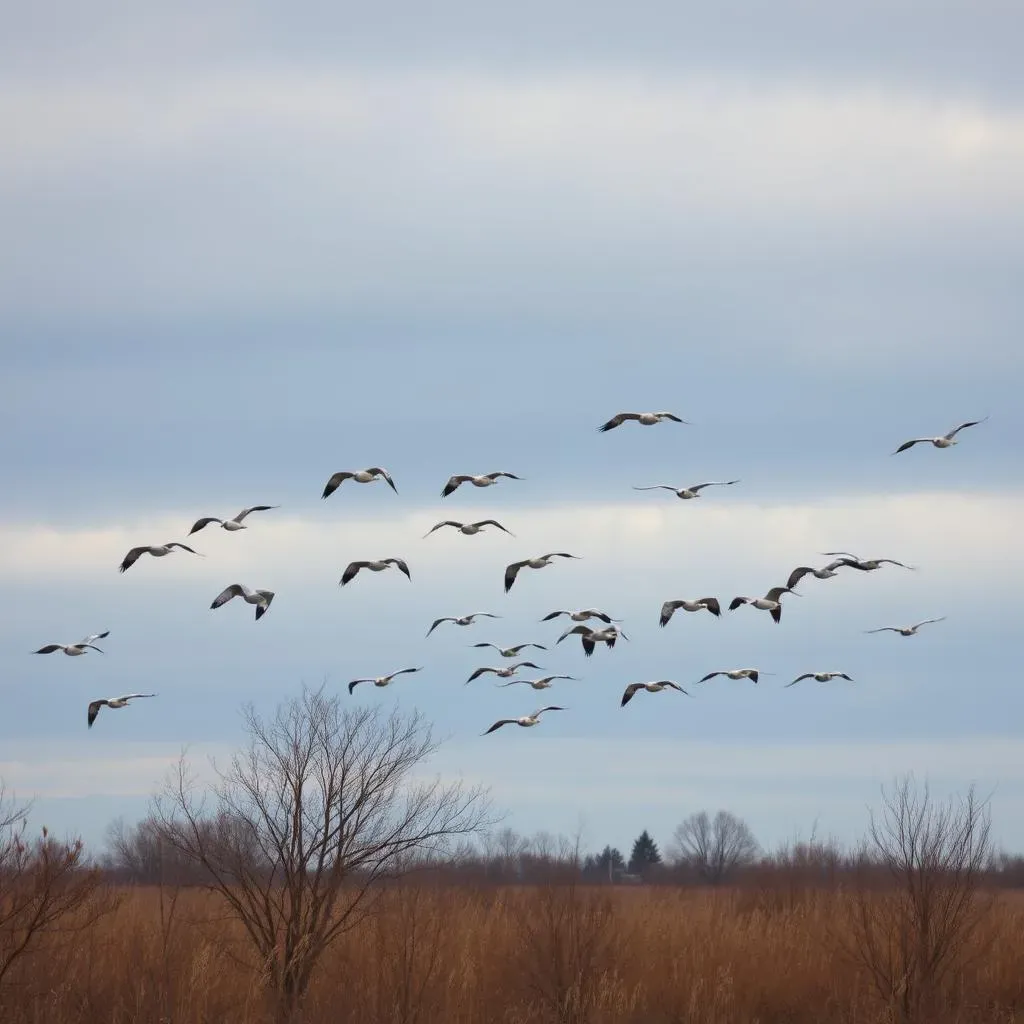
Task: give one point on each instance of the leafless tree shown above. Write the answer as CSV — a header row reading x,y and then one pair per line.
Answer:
x,y
911,937
714,847
47,894
298,832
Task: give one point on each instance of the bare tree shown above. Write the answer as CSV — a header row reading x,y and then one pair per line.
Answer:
x,y
716,847
911,937
307,821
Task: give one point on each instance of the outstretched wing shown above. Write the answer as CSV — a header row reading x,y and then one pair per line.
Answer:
x,y
254,508
183,547
385,474
400,565
969,423
627,694
234,590
444,522
351,570
712,605
806,675
453,484
493,522
205,521
618,420
437,622
511,572
335,482
94,710
910,444
499,723
49,649
130,559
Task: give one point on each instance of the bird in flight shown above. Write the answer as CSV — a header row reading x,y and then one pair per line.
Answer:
x,y
737,673
826,572
687,492
381,680
512,571
669,608
661,684
945,441
771,602
461,620
112,702
469,528
821,677
510,652
590,638
581,616
156,550
361,476
74,650
231,525
484,480
526,721
864,564
646,419
544,683
352,569
905,630
260,598
502,673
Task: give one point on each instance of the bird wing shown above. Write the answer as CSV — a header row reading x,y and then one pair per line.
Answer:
x,y
49,649
712,605
205,521
499,723
335,482
525,664
910,444
841,554
355,682
550,707
924,622
798,574
559,554
94,710
95,636
493,522
618,420
132,696
892,561
511,476
554,615
736,602
91,647
445,522
657,487
234,590
806,675
668,609
969,423
254,508
883,629
588,645
511,572
487,644
710,675
184,547
437,622
404,671
712,483
385,474
400,564
479,672
627,694
131,558
775,593
351,571
670,416
453,483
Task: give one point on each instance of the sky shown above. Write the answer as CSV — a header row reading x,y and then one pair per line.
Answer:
x,y
244,248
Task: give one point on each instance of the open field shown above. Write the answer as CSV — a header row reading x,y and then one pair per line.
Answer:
x,y
463,954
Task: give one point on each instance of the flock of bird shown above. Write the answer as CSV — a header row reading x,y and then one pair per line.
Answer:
x,y
607,633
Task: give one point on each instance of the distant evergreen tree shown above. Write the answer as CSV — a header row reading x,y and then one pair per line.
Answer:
x,y
645,854
604,865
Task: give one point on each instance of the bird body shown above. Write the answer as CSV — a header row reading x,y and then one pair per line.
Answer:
x,y
379,565
945,441
512,571
736,673
905,630
484,480
771,602
544,683
510,652
502,673
526,721
112,702
669,608
821,677
645,419
381,680
461,620
657,687
260,598
687,492
156,550
361,476
469,528
231,525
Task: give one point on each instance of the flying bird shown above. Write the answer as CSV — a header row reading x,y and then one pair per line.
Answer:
x,y
362,476
156,550
826,572
687,492
381,680
74,650
590,638
647,419
512,571
112,702
945,441
821,677
657,687
581,616
510,652
771,602
669,608
502,673
231,525
526,721
864,564
736,673
484,480
905,630
469,528
260,598
461,620
352,569
544,683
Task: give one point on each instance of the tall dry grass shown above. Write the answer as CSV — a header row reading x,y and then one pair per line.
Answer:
x,y
475,955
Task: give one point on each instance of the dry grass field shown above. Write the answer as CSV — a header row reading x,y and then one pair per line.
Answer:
x,y
461,954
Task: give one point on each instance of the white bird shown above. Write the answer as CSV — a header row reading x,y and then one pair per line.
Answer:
x,y
361,476
112,702
526,721
512,571
771,602
687,492
945,441
826,572
260,598
502,673
736,673
821,677
156,550
381,680
544,683
461,620
590,638
510,652
864,564
231,525
74,650
469,528
661,684
669,608
581,616
646,419
905,630
484,480
352,569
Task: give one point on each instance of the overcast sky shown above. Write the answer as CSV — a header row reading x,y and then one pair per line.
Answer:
x,y
246,247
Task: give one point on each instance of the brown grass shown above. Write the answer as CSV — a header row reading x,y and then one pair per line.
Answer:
x,y
465,955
